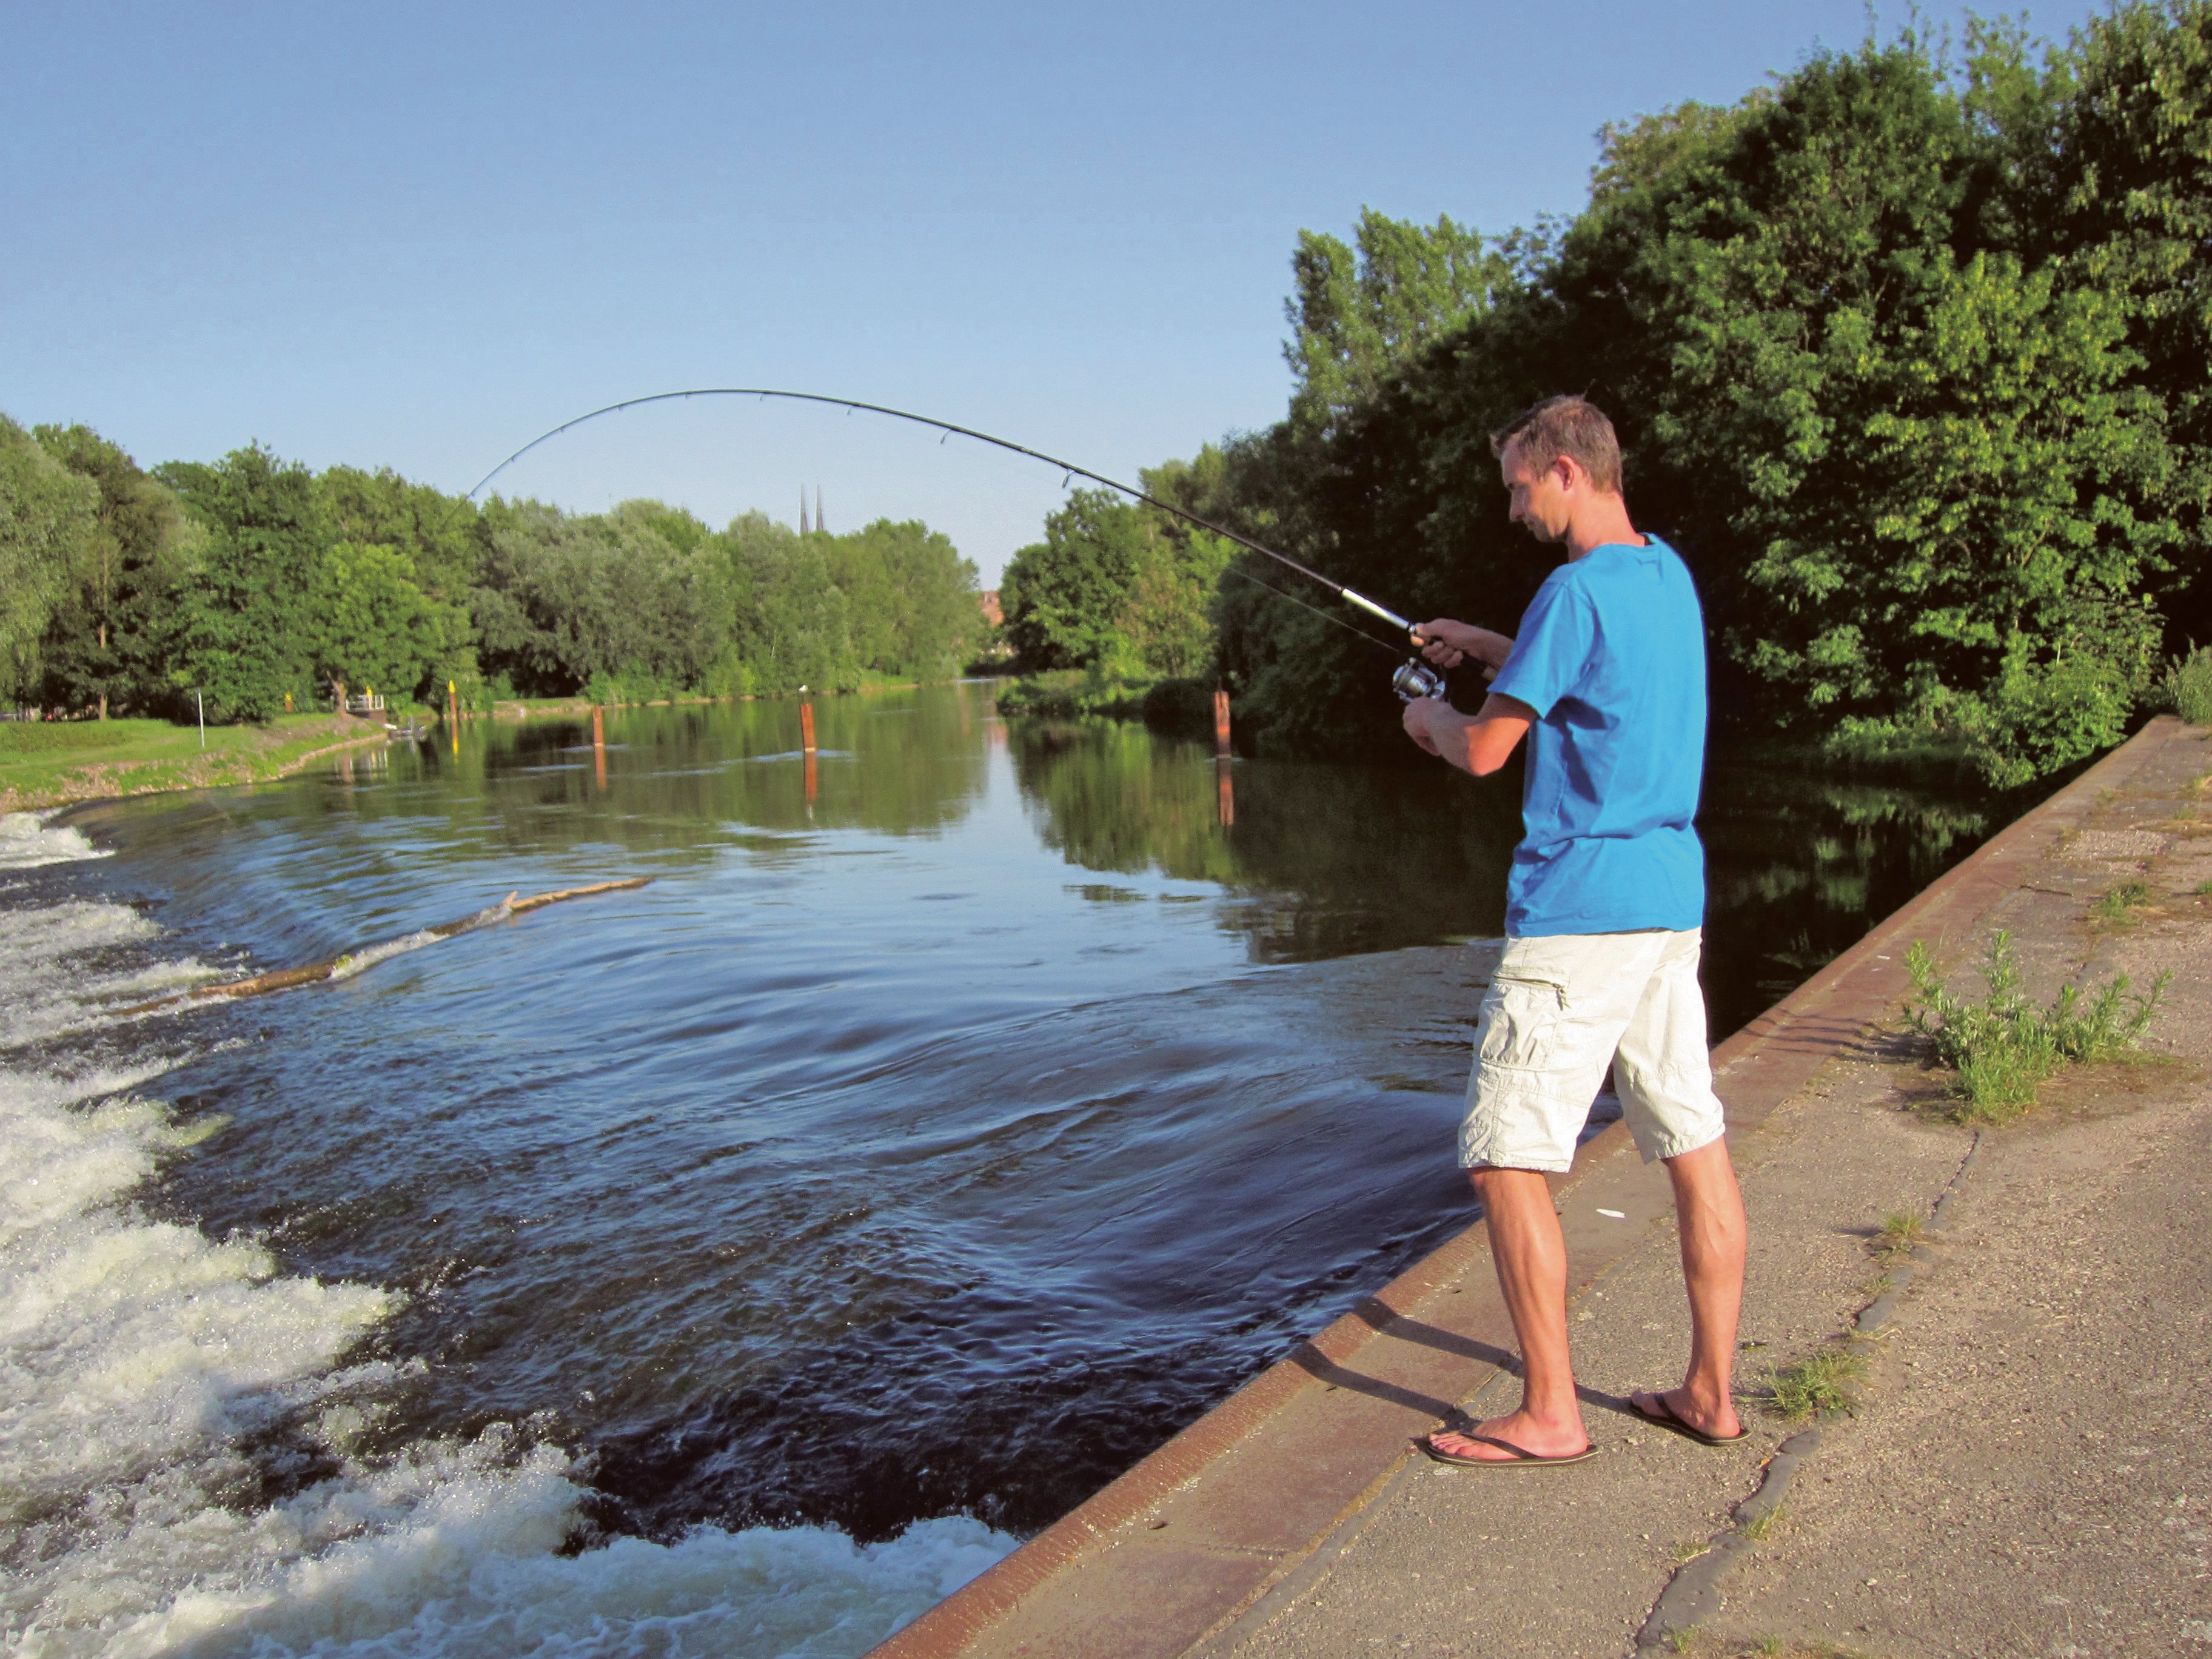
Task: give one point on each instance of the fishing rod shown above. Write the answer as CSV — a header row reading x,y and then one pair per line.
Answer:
x,y
1414,677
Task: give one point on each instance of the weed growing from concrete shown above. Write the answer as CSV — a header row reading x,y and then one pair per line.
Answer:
x,y
1822,1382
1761,1525
2203,890
1900,1234
2117,908
2004,1047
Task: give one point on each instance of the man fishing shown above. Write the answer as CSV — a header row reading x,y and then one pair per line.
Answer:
x,y
1604,908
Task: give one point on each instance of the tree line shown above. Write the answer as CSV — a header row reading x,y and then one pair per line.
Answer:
x,y
1909,355
257,583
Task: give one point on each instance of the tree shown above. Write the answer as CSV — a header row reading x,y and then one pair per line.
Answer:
x,y
49,522
2124,202
245,630
102,644
445,540
1063,597
1359,316
377,629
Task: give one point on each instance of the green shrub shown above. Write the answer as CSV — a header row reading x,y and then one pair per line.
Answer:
x,y
2187,686
2004,1047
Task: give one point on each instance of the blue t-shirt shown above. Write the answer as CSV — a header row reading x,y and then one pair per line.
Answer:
x,y
1612,657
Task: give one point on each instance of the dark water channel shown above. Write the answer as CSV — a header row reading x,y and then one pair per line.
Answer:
x,y
937,1133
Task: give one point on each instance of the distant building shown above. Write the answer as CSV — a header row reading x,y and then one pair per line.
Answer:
x,y
992,613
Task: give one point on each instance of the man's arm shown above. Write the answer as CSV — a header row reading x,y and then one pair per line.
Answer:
x,y
1477,744
1448,644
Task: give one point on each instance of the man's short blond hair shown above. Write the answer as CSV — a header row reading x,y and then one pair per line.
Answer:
x,y
1569,427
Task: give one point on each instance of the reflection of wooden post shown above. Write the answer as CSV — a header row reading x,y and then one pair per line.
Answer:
x,y
813,783
1225,792
599,743
1221,720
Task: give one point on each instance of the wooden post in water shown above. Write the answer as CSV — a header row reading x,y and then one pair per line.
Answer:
x,y
453,714
599,743
806,743
1221,719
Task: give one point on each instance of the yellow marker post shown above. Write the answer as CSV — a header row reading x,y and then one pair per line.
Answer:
x,y
453,712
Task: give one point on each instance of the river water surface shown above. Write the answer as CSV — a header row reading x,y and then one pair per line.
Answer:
x,y
737,1265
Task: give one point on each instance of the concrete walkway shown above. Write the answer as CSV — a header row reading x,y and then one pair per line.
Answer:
x,y
1961,1511
2029,1470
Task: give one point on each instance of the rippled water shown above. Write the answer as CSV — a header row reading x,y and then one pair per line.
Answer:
x,y
737,1265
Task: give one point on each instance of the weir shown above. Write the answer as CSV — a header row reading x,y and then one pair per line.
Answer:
x,y
1243,1532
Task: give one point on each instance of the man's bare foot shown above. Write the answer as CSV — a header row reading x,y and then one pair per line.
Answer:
x,y
1684,1409
1554,1437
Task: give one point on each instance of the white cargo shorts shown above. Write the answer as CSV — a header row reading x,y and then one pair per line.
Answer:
x,y
1560,1010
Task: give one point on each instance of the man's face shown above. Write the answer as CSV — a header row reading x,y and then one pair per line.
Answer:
x,y
1540,499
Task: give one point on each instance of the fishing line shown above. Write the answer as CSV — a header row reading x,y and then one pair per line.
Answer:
x,y
1334,622
1068,469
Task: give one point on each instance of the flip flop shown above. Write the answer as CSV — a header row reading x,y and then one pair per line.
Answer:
x,y
1665,1417
1523,1458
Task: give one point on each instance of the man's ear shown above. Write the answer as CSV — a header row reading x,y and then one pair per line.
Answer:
x,y
1571,473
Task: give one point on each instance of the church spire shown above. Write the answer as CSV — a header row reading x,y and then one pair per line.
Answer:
x,y
802,509
820,523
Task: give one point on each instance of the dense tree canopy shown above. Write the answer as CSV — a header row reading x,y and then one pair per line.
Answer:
x,y
1909,359
251,580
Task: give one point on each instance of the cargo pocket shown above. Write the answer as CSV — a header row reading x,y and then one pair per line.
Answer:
x,y
1521,1018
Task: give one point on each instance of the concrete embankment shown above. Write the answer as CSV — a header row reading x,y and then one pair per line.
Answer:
x,y
1961,1510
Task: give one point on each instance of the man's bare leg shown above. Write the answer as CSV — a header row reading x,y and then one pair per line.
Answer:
x,y
1531,1257
1708,1207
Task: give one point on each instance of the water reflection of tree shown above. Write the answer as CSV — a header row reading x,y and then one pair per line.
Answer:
x,y
1325,859
691,779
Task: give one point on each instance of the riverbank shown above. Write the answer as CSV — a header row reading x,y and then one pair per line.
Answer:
x,y
57,763
1293,1519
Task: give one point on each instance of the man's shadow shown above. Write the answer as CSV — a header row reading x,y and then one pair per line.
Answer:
x,y
1382,1320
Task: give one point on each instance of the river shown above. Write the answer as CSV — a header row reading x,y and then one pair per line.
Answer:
x,y
737,1265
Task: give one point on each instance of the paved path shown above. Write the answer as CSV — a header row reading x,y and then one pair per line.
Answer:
x,y
2030,1468
1961,1510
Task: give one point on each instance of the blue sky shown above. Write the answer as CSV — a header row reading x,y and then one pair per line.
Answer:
x,y
419,235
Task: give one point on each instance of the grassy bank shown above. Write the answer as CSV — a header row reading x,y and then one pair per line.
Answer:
x,y
49,763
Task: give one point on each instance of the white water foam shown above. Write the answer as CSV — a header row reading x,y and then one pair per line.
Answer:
x,y
46,991
25,842
137,1357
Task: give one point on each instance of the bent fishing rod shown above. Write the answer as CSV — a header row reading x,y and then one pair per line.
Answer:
x,y
1414,678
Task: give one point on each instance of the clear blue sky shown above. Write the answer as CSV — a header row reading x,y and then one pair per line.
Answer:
x,y
419,235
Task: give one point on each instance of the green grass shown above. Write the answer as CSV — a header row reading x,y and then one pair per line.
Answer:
x,y
2117,908
1899,1235
1761,1526
1823,1381
2203,889
19,738
44,763
2003,1048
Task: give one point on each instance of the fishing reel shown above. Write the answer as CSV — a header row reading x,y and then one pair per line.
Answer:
x,y
1415,678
